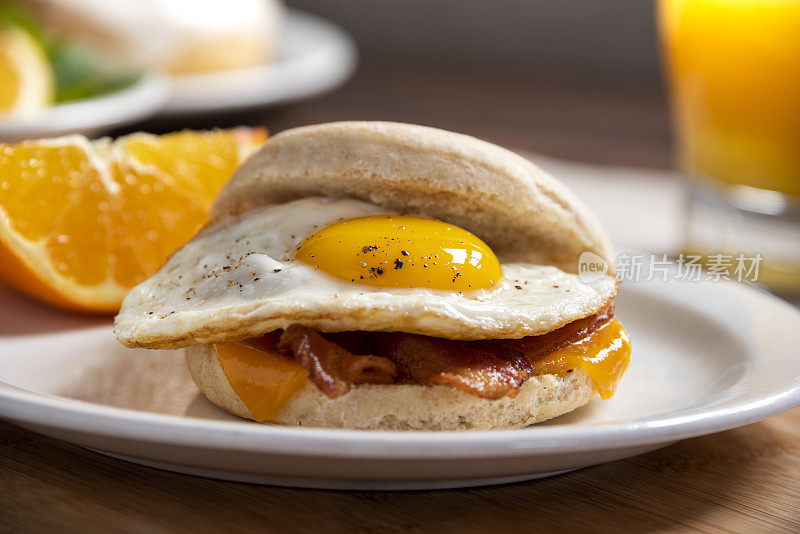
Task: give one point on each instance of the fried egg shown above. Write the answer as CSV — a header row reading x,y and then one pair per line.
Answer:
x,y
342,265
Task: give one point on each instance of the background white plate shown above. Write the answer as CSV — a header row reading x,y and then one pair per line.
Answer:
x,y
93,116
314,56
706,357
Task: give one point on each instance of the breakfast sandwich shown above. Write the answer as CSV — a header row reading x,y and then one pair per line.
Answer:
x,y
373,275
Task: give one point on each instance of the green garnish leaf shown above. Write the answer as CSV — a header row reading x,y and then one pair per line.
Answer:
x,y
80,74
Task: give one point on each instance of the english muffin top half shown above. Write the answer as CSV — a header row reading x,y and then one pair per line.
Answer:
x,y
522,212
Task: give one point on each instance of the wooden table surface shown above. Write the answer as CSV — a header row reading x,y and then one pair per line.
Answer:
x,y
742,480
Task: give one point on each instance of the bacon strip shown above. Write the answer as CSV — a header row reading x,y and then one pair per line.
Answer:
x,y
490,369
476,369
330,367
536,347
367,369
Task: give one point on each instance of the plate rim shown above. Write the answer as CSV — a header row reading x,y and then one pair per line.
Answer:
x,y
122,423
143,99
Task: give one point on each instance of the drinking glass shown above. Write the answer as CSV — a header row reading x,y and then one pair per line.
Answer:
x,y
733,68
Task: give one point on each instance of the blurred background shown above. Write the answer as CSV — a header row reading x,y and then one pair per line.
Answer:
x,y
569,78
612,39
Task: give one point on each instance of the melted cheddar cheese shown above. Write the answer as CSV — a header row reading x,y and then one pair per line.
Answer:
x,y
262,378
604,355
266,380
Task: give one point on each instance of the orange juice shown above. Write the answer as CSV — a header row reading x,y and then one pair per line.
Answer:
x,y
734,72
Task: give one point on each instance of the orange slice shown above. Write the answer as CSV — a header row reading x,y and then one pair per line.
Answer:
x,y
27,79
81,222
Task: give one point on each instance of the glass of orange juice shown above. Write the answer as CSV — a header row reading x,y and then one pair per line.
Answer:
x,y
733,68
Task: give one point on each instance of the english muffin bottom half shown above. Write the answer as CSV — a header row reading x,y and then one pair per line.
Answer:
x,y
373,275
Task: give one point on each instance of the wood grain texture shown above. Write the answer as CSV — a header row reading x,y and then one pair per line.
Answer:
x,y
745,480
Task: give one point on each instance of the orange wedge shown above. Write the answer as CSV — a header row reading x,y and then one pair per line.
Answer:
x,y
82,222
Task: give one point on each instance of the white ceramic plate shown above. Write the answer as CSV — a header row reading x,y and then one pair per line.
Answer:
x,y
314,56
706,357
93,116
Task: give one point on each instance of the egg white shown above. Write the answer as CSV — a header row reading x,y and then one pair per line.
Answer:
x,y
236,279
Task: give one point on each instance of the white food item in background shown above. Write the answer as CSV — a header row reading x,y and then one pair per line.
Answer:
x,y
180,36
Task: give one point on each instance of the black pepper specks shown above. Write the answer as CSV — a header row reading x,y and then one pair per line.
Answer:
x,y
398,264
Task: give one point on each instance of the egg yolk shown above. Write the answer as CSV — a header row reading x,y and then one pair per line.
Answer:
x,y
402,251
